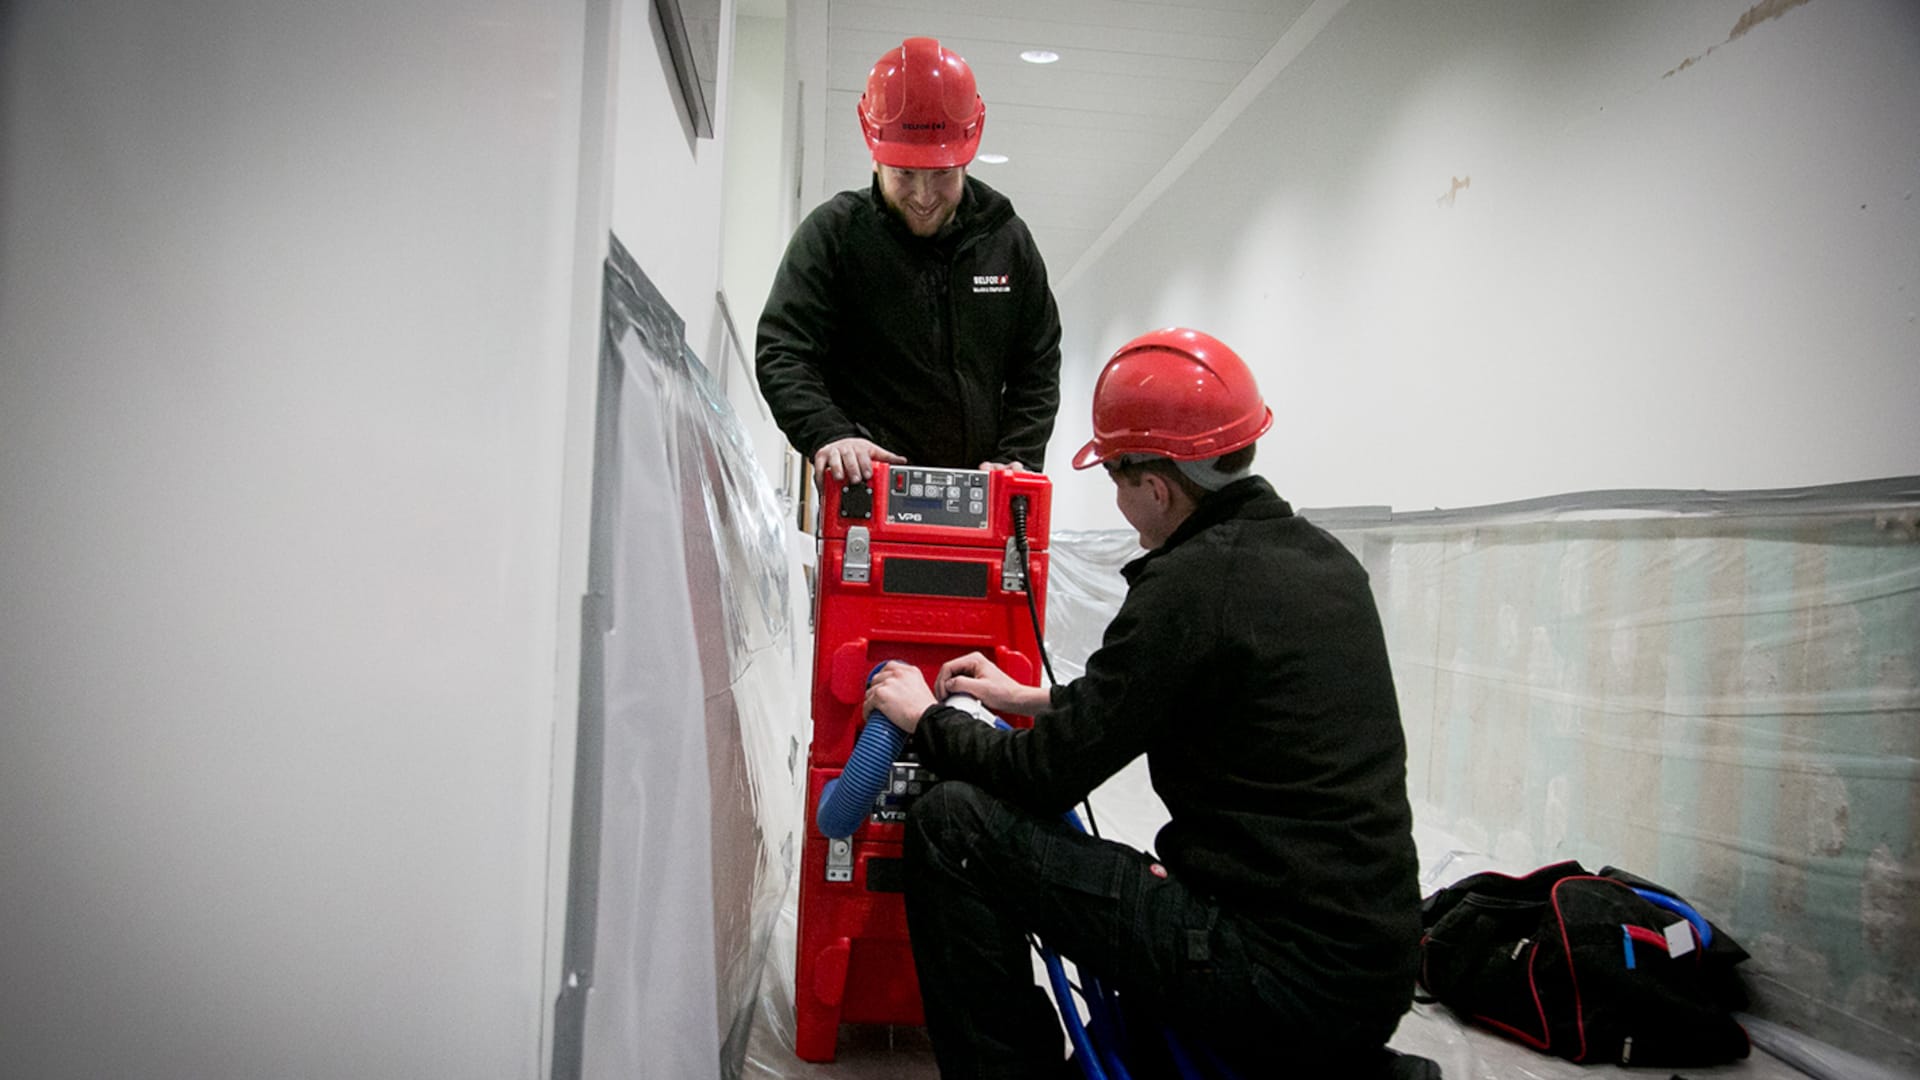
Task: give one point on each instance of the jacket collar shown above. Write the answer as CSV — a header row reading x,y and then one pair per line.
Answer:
x,y
1249,498
981,208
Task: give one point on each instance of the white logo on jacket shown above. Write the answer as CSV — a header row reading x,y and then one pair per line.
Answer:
x,y
991,283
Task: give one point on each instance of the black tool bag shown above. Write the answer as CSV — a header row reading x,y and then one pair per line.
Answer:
x,y
1595,968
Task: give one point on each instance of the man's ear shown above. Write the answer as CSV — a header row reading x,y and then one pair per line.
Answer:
x,y
1162,489
1170,497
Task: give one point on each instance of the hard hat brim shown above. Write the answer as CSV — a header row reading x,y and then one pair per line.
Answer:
x,y
924,155
1173,448
1089,455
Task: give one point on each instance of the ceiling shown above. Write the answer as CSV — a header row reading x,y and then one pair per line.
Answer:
x,y
1084,136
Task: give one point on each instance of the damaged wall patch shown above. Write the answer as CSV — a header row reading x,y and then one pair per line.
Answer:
x,y
1754,16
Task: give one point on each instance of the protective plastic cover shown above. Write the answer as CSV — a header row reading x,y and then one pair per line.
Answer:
x,y
1718,691
687,788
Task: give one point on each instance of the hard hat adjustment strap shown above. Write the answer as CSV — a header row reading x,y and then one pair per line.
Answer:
x,y
1204,474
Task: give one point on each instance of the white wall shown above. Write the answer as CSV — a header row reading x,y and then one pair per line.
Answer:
x,y
806,103
756,219
756,227
667,184
298,326
1652,278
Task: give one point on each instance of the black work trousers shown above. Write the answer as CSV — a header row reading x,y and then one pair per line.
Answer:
x,y
982,874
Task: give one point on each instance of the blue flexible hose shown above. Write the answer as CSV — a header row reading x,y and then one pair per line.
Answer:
x,y
848,798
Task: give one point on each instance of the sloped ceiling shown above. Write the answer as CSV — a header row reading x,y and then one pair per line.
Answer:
x,y
1083,136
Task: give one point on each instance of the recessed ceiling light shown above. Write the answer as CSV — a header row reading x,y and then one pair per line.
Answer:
x,y
991,159
1039,56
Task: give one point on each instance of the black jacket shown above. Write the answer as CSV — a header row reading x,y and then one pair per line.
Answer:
x,y
944,349
1247,662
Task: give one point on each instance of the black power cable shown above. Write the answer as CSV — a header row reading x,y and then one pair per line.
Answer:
x,y
1019,508
1026,573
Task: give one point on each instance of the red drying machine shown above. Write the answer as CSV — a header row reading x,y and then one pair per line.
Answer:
x,y
921,566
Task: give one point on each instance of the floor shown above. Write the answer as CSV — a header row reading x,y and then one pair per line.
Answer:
x,y
1131,813
872,1052
876,1053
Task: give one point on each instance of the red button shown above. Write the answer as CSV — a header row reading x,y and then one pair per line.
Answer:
x,y
1156,870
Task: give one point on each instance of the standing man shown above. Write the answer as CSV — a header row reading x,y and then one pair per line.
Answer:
x,y
912,321
1278,923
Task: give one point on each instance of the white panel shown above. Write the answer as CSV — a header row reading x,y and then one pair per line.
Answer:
x,y
282,411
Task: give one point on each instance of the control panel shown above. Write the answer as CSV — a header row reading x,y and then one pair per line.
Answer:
x,y
967,508
952,497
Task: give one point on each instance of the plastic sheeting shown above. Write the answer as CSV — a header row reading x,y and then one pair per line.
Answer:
x,y
1720,691
687,793
1715,690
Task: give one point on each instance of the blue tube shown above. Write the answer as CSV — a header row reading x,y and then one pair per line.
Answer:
x,y
848,798
1089,1059
1109,1033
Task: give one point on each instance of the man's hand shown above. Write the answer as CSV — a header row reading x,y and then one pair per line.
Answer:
x,y
1003,466
900,691
975,674
852,456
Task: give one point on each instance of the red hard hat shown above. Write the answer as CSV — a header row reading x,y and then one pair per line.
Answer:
x,y
1174,393
920,110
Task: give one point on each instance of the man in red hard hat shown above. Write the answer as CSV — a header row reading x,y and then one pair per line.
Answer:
x,y
912,321
1277,923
